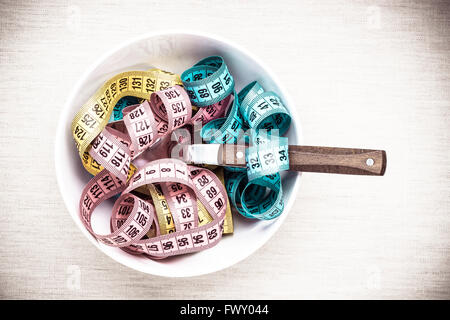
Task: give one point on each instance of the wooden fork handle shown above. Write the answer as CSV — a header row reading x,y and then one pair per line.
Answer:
x,y
337,160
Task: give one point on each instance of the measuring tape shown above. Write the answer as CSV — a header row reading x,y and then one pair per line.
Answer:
x,y
165,219
250,199
263,109
268,157
265,158
224,130
168,207
256,109
208,81
132,216
170,213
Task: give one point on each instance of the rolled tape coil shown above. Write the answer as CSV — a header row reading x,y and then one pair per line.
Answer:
x,y
165,219
263,109
251,198
267,158
208,81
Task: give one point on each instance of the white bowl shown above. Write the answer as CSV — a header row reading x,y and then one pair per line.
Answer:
x,y
173,51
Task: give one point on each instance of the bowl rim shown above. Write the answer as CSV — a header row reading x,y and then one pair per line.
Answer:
x,y
65,113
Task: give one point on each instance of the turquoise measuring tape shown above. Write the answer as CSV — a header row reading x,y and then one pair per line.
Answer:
x,y
268,157
208,81
263,110
250,199
254,191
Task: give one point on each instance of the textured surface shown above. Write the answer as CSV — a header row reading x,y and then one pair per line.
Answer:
x,y
364,74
